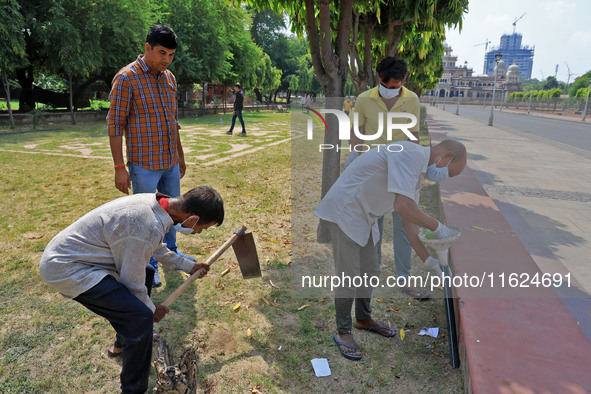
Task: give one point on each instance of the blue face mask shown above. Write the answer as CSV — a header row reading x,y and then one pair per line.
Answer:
x,y
388,93
437,174
185,230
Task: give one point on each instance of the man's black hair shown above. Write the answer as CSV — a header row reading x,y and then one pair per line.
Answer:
x,y
392,67
237,85
162,35
204,202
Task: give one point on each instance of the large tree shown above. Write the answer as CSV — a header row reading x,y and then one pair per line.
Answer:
x,y
329,30
110,34
203,50
12,45
285,51
69,44
413,30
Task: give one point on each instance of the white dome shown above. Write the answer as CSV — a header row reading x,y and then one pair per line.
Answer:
x,y
513,69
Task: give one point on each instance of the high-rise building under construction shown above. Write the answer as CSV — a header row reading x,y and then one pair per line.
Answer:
x,y
513,52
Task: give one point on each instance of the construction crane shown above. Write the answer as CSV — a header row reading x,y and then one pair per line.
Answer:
x,y
485,43
517,20
569,75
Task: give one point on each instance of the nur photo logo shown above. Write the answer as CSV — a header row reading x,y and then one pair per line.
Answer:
x,y
387,122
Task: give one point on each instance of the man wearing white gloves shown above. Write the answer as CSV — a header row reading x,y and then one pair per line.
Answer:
x,y
390,96
383,178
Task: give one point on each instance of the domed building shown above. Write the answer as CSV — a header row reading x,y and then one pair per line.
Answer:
x,y
512,83
500,69
459,80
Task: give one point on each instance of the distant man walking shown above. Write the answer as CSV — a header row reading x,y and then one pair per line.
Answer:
x,y
238,106
144,109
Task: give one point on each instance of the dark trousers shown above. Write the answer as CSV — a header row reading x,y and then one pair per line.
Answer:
x,y
354,261
238,113
133,322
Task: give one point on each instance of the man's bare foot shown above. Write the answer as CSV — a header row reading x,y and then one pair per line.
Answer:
x,y
347,346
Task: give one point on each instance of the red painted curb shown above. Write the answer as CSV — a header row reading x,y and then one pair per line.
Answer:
x,y
512,340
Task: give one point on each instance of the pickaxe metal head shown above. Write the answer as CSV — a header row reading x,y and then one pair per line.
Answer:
x,y
246,254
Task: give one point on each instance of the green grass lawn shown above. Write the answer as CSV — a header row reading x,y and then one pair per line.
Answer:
x,y
51,344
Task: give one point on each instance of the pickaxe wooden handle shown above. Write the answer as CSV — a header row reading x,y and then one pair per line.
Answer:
x,y
209,262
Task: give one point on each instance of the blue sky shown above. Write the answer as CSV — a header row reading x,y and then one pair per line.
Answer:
x,y
560,30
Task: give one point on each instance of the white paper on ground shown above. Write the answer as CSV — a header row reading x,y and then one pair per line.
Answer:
x,y
432,332
321,367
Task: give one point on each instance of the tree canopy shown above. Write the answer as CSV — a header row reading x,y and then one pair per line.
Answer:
x,y
88,40
364,32
581,82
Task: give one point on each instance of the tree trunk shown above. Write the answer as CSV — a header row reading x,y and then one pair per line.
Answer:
x,y
330,61
257,92
203,96
178,378
225,96
7,90
25,78
72,114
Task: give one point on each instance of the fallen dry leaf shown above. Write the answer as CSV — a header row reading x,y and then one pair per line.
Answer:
x,y
39,237
301,308
483,229
236,307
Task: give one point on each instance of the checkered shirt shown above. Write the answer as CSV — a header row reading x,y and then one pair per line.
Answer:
x,y
144,109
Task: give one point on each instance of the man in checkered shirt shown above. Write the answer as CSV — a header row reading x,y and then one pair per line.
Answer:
x,y
144,109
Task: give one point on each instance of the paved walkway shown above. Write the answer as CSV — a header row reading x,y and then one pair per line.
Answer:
x,y
542,188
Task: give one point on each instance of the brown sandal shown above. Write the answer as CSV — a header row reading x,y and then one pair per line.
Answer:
x,y
113,351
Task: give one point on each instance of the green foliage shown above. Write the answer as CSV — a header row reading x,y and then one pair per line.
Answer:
x,y
531,84
89,39
12,40
203,50
515,97
582,92
554,92
550,83
413,30
51,82
285,51
308,83
581,82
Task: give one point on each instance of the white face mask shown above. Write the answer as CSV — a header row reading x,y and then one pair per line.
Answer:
x,y
388,93
185,230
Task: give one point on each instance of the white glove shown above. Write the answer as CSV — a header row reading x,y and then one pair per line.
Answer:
x,y
352,156
441,231
434,265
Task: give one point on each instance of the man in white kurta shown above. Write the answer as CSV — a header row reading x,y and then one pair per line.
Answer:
x,y
384,178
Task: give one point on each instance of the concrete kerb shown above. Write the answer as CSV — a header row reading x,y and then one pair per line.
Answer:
x,y
507,344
